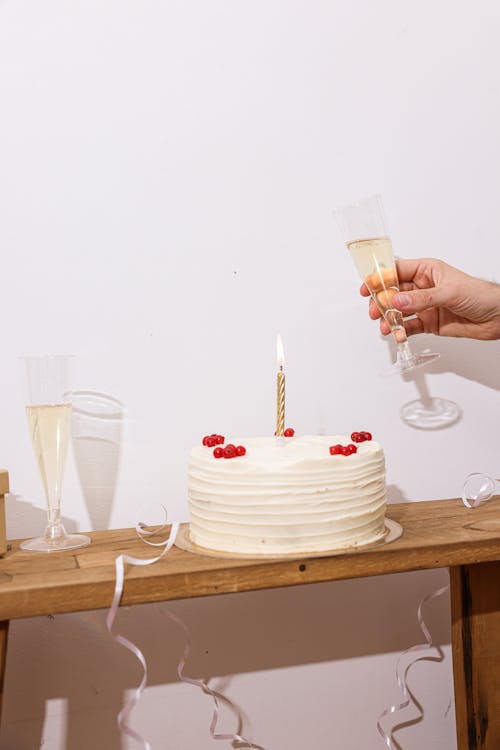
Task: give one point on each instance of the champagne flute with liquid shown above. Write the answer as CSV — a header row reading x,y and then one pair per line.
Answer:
x,y
48,410
365,234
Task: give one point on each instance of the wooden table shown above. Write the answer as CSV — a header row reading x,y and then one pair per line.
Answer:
x,y
437,534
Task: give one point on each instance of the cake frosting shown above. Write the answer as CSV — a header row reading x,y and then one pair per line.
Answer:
x,y
289,498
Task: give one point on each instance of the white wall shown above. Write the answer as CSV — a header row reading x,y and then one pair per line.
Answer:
x,y
167,174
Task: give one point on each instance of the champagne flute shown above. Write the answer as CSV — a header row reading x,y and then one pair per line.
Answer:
x,y
49,420
364,229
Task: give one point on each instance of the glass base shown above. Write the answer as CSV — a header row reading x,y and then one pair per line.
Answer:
x,y
44,544
409,364
431,414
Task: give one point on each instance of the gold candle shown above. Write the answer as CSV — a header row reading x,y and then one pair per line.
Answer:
x,y
280,389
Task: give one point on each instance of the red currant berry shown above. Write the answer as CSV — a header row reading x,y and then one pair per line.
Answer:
x,y
357,437
240,450
220,439
218,452
211,441
289,432
352,448
367,435
204,441
229,451
346,451
335,450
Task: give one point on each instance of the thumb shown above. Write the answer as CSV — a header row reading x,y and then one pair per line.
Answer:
x,y
420,299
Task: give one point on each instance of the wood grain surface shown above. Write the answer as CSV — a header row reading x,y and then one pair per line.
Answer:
x,y
436,534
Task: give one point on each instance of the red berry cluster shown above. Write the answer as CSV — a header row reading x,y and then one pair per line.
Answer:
x,y
360,437
343,450
213,439
230,451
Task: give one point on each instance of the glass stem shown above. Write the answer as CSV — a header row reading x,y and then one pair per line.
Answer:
x,y
404,353
395,319
54,529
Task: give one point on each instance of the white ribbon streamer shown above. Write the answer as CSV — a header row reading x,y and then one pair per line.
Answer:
x,y
120,563
401,674
478,488
122,718
203,685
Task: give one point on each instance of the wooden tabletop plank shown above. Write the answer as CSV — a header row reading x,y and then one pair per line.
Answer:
x,y
436,534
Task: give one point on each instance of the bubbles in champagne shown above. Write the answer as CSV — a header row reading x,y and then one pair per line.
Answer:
x,y
374,260
49,427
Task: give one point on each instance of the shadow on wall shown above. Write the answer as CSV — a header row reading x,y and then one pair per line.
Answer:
x,y
97,426
26,520
72,657
428,412
468,358
396,495
473,360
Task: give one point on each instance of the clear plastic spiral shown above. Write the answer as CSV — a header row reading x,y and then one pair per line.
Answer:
x,y
477,489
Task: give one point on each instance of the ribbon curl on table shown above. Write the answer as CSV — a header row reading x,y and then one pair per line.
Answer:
x,y
143,531
478,488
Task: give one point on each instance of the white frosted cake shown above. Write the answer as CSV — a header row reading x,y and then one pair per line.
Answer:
x,y
290,498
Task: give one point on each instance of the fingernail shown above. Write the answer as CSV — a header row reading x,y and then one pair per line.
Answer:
x,y
401,300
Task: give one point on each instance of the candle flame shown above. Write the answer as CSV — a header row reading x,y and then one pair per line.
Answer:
x,y
280,352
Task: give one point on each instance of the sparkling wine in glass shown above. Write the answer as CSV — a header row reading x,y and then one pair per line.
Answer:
x,y
48,410
365,234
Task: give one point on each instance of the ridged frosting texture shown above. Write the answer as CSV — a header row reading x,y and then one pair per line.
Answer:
x,y
287,498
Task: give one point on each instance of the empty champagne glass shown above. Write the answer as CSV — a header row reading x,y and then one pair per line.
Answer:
x,y
364,229
48,408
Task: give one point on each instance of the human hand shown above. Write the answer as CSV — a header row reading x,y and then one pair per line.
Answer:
x,y
445,301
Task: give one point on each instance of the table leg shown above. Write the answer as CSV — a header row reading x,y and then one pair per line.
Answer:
x,y
4,632
475,612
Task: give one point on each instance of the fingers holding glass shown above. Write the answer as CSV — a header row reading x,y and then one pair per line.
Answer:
x,y
367,239
412,326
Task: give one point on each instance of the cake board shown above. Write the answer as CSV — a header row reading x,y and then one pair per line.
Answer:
x,y
393,531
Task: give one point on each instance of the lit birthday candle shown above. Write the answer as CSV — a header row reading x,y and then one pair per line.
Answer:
x,y
280,390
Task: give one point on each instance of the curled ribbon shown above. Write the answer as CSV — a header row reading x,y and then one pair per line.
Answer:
x,y
122,718
120,562
477,489
203,685
401,674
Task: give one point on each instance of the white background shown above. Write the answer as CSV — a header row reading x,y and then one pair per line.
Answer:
x,y
167,177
